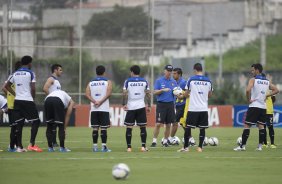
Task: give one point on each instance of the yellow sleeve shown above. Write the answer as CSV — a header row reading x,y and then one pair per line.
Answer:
x,y
183,119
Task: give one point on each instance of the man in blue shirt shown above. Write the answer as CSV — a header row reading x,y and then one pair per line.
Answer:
x,y
165,113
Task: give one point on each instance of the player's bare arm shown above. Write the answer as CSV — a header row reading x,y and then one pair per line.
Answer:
x,y
160,91
48,83
108,94
88,94
5,91
148,99
32,89
68,113
124,99
8,87
249,88
274,90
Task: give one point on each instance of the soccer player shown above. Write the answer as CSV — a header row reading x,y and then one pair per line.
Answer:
x,y
179,101
269,122
3,107
256,94
58,108
134,91
199,88
98,92
165,112
51,85
10,102
24,106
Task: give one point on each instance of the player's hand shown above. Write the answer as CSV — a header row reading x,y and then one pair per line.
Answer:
x,y
251,101
166,89
149,109
97,104
125,108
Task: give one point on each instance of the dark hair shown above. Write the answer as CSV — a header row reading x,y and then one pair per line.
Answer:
x,y
26,60
178,70
55,67
258,67
100,70
135,69
198,67
18,64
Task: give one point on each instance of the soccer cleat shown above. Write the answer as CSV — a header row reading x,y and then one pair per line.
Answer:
x,y
95,149
51,149
12,150
265,146
63,150
200,150
273,146
34,148
153,145
144,149
183,150
105,149
19,150
239,148
129,150
259,149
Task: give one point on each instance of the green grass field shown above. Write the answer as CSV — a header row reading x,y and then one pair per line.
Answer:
x,y
218,164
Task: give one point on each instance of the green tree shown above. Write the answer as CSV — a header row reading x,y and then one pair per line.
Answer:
x,y
121,23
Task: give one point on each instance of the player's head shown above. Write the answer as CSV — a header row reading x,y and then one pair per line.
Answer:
x,y
177,73
256,69
100,70
198,67
57,69
135,70
167,71
18,65
26,61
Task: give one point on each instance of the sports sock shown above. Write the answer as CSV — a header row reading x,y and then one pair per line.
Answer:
x,y
265,135
128,136
245,136
95,135
202,137
13,137
49,134
143,135
104,136
187,135
271,134
54,134
19,131
34,130
261,136
62,135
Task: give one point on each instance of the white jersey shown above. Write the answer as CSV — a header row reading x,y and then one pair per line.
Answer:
x,y
136,87
259,92
3,102
98,88
199,87
65,98
55,86
22,79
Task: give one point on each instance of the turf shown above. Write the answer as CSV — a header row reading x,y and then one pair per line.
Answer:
x,y
219,164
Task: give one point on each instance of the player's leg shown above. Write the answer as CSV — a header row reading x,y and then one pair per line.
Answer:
x,y
169,120
271,131
141,121
49,135
265,137
54,139
95,130
262,118
190,123
19,130
129,122
203,123
178,115
105,124
62,137
13,136
160,117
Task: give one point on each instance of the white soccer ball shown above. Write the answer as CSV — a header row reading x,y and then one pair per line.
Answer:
x,y
120,171
213,141
206,141
177,91
239,141
192,141
174,140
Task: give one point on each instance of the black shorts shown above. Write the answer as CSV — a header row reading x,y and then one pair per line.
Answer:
x,y
100,119
269,120
11,115
25,110
165,112
179,112
255,116
54,110
137,115
197,119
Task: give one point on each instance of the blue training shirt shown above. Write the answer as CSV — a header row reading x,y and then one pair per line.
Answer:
x,y
162,83
181,83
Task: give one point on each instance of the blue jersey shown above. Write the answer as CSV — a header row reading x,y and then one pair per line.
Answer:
x,y
162,83
181,83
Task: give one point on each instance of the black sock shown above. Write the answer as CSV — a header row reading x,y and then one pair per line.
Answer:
x,y
128,136
261,136
19,131
13,137
54,138
187,135
62,135
271,134
95,135
49,134
265,135
202,137
34,130
245,136
143,135
104,136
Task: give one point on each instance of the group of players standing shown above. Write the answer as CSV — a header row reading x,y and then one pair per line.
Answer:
x,y
189,108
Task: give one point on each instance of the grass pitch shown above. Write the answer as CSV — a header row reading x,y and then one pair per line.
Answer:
x,y
219,164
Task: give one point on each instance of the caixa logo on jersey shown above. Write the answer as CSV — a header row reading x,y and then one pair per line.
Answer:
x,y
240,115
